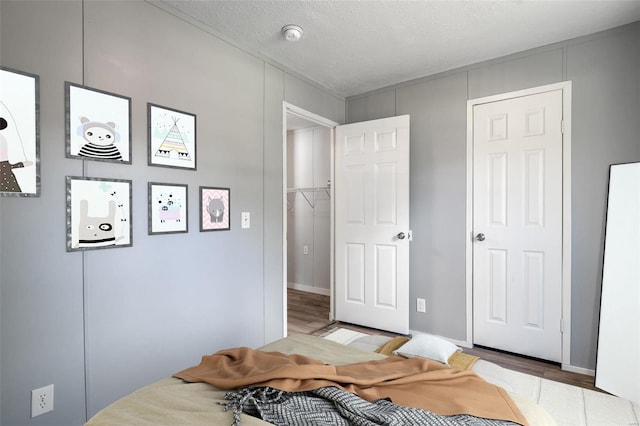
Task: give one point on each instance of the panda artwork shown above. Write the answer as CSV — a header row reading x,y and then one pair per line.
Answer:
x,y
100,140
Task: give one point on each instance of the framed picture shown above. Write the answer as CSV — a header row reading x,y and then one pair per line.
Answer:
x,y
98,213
215,204
172,137
97,124
19,133
167,208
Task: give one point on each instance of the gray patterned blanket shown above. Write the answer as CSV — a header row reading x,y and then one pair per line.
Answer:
x,y
330,406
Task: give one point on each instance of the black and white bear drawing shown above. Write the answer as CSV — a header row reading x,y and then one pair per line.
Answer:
x,y
101,139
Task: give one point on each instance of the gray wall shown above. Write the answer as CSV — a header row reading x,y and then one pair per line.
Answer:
x,y
605,71
98,324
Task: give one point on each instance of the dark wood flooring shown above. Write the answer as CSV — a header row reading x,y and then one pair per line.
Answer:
x,y
308,313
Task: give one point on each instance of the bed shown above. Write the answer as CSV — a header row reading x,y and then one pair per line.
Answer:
x,y
173,401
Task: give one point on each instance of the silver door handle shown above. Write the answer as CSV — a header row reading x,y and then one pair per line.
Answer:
x,y
480,237
400,235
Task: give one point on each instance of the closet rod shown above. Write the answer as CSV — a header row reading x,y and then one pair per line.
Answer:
x,y
310,189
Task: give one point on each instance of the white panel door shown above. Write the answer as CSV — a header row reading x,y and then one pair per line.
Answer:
x,y
372,224
517,222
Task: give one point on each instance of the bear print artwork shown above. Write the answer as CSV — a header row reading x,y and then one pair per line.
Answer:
x,y
8,181
100,140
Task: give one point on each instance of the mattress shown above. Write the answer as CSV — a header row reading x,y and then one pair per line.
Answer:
x,y
171,401
568,405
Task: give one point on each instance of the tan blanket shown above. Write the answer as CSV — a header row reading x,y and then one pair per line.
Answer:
x,y
415,382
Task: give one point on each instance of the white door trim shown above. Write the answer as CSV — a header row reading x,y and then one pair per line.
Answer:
x,y
288,108
566,210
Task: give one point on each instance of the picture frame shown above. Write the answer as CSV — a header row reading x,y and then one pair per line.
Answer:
x,y
97,124
98,213
171,137
215,209
19,133
168,208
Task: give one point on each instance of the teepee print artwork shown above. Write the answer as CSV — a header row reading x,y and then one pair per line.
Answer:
x,y
173,142
172,138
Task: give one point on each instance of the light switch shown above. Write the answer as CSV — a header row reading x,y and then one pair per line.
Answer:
x,y
246,220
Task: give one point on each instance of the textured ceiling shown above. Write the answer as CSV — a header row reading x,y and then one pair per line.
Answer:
x,y
352,47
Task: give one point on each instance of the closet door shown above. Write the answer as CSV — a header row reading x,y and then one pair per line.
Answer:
x,y
517,222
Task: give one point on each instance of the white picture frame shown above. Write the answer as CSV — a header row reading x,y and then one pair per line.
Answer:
x,y
171,137
168,208
97,124
98,213
19,133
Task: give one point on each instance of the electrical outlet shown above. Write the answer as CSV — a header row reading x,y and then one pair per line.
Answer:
x,y
305,249
41,400
421,305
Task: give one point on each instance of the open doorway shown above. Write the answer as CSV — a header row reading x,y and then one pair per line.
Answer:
x,y
308,221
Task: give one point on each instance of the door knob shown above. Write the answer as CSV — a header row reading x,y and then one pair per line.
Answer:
x,y
400,235
480,237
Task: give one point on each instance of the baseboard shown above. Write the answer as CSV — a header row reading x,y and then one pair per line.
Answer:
x,y
461,343
309,289
565,367
579,370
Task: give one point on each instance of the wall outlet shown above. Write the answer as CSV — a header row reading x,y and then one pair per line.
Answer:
x,y
305,249
41,400
421,305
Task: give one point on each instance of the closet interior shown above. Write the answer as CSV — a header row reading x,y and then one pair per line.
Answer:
x,y
308,206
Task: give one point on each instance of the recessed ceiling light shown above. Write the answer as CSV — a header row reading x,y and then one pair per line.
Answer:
x,y
292,32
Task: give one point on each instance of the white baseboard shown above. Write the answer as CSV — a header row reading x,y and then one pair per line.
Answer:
x,y
461,343
579,370
565,367
309,289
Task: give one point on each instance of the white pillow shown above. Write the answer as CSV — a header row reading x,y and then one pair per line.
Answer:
x,y
428,346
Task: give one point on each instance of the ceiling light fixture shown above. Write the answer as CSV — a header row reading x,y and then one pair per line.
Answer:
x,y
292,32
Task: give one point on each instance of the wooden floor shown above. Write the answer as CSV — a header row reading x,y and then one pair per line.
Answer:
x,y
309,314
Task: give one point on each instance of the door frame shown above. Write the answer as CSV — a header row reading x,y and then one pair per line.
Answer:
x,y
565,325
287,109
